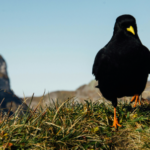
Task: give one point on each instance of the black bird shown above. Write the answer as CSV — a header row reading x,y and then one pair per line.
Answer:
x,y
122,66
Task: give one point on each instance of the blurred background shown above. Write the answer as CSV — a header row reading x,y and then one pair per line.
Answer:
x,y
51,45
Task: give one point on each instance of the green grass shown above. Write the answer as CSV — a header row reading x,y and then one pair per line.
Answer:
x,y
75,126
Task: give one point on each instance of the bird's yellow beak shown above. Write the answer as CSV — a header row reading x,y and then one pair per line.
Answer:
x,y
130,29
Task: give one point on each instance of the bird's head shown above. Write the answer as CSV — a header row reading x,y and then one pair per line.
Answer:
x,y
127,24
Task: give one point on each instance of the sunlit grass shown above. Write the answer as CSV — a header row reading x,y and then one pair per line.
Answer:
x,y
76,126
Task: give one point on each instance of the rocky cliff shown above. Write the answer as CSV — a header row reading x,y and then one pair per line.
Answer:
x,y
4,80
6,94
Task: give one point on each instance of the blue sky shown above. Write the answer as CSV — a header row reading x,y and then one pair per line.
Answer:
x,y
51,44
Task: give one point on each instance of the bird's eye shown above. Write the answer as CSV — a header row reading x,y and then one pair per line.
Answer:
x,y
131,29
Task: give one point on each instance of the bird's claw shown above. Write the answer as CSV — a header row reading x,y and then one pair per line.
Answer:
x,y
115,123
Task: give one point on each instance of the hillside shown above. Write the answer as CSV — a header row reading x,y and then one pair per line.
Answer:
x,y
84,92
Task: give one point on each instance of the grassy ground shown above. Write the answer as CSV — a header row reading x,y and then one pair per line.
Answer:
x,y
74,126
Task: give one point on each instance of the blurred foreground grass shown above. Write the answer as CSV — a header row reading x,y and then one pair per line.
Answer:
x,y
76,126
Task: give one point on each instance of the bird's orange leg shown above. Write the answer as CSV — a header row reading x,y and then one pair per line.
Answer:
x,y
136,98
115,123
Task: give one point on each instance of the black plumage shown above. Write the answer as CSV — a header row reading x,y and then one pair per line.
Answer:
x,y
122,66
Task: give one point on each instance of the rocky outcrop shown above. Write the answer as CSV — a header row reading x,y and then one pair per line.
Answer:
x,y
9,101
7,96
88,91
4,80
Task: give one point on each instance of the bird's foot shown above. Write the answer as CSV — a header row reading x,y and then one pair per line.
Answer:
x,y
115,123
136,98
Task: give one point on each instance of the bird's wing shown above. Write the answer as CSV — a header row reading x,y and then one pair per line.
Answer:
x,y
103,64
97,62
146,58
101,56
